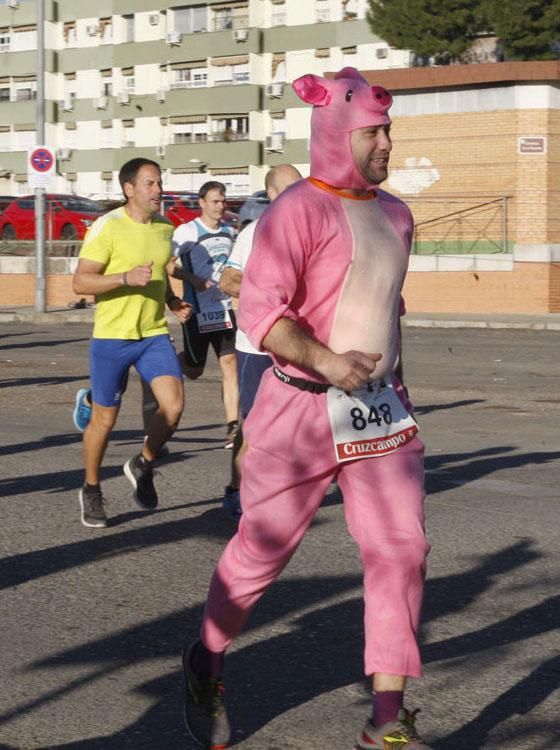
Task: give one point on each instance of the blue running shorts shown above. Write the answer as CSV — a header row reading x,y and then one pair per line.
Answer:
x,y
250,369
111,359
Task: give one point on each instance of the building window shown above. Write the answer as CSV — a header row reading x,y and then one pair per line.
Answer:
x,y
69,33
25,95
240,76
4,95
106,30
107,137
190,20
187,78
129,28
4,41
195,132
235,128
231,18
322,12
108,186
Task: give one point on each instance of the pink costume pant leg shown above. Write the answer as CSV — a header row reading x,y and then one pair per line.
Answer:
x,y
384,506
285,474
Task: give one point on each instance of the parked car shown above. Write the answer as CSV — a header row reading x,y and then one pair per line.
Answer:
x,y
67,217
253,208
5,201
181,206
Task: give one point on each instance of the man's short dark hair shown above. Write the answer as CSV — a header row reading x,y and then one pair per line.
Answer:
x,y
211,185
129,171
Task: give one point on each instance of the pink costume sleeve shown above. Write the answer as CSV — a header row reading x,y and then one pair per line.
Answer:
x,y
275,267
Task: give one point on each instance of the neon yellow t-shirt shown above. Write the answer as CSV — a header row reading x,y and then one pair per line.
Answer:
x,y
121,243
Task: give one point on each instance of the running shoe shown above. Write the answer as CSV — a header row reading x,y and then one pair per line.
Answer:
x,y
82,409
92,504
231,434
399,734
232,503
140,474
205,713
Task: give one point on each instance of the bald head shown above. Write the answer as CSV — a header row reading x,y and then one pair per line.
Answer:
x,y
279,178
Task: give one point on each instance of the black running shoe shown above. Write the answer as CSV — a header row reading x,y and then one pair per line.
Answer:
x,y
205,712
92,504
231,433
140,474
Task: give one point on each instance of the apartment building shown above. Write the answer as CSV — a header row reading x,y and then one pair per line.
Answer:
x,y
202,87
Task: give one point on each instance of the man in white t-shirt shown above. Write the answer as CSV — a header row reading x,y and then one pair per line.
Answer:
x,y
201,248
251,363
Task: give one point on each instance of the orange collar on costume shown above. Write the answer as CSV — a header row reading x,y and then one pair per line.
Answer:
x,y
343,192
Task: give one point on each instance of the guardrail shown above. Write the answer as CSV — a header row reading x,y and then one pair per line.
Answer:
x,y
479,228
53,248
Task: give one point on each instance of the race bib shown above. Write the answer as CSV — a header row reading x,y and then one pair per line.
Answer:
x,y
214,320
369,422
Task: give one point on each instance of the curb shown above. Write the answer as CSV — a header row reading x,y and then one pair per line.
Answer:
x,y
549,322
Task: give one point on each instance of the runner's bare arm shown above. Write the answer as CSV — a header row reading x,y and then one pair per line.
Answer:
x,y
197,282
181,309
348,371
90,278
230,281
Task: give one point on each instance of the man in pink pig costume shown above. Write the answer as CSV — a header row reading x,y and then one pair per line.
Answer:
x,y
321,292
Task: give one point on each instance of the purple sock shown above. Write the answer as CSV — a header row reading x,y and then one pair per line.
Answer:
x,y
386,706
207,662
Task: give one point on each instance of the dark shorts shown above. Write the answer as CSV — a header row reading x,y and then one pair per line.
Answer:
x,y
196,344
111,359
250,369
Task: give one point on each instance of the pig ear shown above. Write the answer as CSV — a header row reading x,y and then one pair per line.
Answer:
x,y
313,89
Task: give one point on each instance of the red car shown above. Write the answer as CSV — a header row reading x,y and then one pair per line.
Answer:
x,y
67,217
180,207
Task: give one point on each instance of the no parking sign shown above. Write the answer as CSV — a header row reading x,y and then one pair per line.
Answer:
x,y
41,166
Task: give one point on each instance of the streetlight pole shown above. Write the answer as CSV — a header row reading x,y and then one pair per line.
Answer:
x,y
40,278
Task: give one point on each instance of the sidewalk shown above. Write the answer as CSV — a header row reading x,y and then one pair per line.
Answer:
x,y
550,322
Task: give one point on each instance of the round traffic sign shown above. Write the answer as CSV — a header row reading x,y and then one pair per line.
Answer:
x,y
41,160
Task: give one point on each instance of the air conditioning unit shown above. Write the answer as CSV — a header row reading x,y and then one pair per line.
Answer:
x,y
68,104
153,19
274,142
160,95
173,38
13,4
275,90
124,97
92,30
241,35
64,154
160,150
101,102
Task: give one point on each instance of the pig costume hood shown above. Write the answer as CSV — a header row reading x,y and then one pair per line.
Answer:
x,y
341,105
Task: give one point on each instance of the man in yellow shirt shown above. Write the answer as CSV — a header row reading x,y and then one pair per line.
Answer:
x,y
123,263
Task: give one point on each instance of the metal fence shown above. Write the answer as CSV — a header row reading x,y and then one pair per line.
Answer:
x,y
453,226
53,248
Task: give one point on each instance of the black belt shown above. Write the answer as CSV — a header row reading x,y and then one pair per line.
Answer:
x,y
301,383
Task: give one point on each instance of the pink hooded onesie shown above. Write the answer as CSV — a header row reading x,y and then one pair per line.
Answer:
x,y
335,263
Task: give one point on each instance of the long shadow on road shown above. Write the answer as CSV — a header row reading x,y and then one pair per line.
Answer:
x,y
321,653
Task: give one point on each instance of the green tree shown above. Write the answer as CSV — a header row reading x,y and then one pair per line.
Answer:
x,y
439,29
527,29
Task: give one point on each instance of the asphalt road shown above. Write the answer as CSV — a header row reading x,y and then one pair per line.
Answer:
x,y
92,621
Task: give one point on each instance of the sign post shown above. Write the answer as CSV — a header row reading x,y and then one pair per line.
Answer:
x,y
40,167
